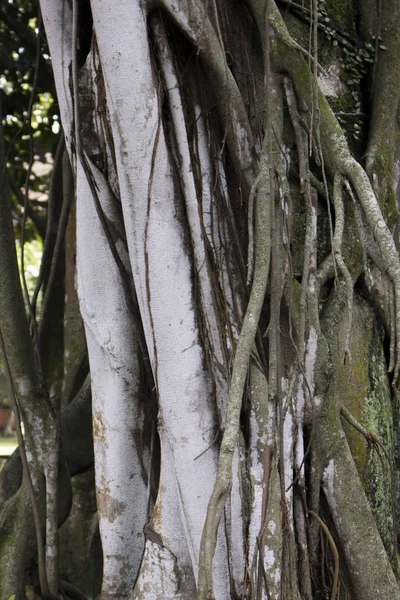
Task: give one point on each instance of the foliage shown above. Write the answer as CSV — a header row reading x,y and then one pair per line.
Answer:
x,y
21,43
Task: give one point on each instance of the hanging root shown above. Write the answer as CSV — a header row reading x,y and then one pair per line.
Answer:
x,y
359,179
250,251
369,245
337,252
310,210
371,250
263,210
240,367
192,18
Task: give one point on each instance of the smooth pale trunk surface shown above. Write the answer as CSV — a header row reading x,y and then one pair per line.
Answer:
x,y
193,207
257,477
161,267
122,501
121,474
192,202
166,572
163,280
191,16
57,19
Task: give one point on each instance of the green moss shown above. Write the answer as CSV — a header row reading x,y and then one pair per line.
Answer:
x,y
299,29
341,13
354,387
367,396
384,173
378,417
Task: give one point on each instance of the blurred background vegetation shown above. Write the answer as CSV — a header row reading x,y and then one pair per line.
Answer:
x,y
31,130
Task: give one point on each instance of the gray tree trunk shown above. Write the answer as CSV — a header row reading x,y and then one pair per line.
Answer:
x,y
236,170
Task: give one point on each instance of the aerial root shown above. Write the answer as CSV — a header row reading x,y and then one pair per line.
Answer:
x,y
263,213
371,250
379,246
338,257
310,198
244,348
387,248
191,17
335,148
250,251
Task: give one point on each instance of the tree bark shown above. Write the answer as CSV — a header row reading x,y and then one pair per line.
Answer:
x,y
203,138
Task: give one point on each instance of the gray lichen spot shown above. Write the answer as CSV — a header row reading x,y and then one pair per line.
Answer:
x,y
330,82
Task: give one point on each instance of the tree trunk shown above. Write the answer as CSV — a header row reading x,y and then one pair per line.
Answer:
x,y
239,286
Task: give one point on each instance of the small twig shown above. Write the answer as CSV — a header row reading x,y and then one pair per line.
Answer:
x,y
50,223
250,218
369,436
62,227
209,446
26,200
334,552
